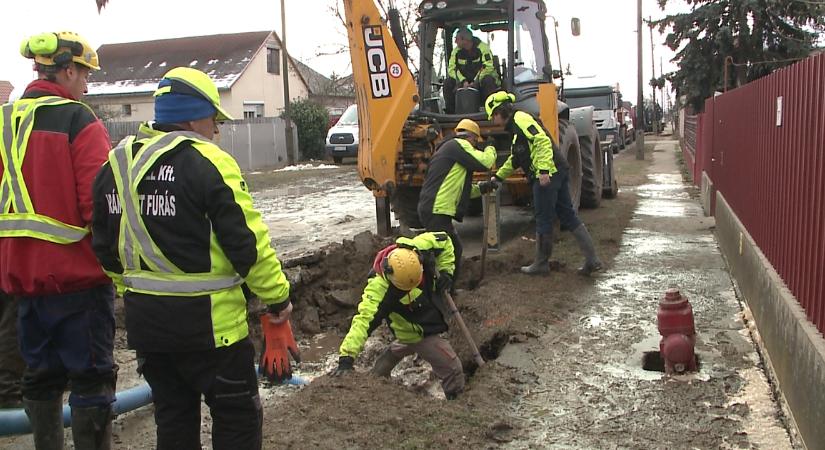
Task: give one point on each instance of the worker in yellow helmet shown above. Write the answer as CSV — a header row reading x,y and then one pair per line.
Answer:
x,y
175,228
547,171
53,146
447,189
405,289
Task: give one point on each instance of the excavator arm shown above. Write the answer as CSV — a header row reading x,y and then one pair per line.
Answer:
x,y
385,92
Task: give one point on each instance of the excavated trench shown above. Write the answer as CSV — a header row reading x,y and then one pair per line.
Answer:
x,y
326,289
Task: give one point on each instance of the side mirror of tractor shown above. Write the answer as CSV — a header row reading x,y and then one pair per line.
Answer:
x,y
576,26
548,71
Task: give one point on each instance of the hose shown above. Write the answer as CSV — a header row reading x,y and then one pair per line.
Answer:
x,y
15,421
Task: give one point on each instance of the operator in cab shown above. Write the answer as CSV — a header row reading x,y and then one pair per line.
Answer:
x,y
471,65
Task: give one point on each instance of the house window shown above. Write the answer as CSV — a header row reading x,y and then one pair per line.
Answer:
x,y
126,110
252,110
273,60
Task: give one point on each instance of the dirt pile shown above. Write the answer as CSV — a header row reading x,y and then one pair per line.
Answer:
x,y
326,285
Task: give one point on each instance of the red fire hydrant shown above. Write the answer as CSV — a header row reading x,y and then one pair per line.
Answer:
x,y
675,322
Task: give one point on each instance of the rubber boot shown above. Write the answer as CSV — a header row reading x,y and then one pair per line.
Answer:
x,y
92,428
46,418
385,363
591,261
544,247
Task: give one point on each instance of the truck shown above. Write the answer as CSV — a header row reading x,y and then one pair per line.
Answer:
x,y
401,115
609,112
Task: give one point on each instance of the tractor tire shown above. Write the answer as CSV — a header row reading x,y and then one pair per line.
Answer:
x,y
611,189
404,204
592,169
569,147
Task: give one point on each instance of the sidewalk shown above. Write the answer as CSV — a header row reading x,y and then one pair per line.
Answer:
x,y
590,390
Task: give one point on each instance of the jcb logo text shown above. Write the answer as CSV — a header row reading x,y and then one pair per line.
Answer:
x,y
377,62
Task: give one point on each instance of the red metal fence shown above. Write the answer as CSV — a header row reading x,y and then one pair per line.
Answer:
x,y
689,141
763,146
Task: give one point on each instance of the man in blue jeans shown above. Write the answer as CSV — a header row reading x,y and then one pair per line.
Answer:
x,y
549,176
52,147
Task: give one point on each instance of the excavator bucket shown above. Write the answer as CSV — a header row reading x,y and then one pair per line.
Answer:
x,y
385,92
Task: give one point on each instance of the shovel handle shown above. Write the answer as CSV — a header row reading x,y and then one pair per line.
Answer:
x,y
484,236
476,354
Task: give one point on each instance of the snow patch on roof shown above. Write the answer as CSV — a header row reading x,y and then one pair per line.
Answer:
x,y
193,63
149,64
212,61
122,87
163,64
140,86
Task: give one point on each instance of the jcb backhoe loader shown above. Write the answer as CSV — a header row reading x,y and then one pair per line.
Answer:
x,y
401,115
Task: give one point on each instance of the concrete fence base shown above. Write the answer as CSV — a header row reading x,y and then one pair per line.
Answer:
x,y
795,349
707,194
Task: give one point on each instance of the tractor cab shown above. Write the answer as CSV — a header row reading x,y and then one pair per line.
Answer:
x,y
514,32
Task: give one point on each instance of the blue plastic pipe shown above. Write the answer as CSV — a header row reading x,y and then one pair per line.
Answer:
x,y
15,421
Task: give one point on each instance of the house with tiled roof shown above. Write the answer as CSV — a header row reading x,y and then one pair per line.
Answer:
x,y
336,93
5,91
246,67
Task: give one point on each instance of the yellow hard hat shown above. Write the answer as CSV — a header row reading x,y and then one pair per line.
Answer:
x,y
186,80
497,99
58,49
468,125
403,268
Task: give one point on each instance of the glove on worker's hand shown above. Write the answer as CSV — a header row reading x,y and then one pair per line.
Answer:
x,y
278,340
344,365
444,282
488,186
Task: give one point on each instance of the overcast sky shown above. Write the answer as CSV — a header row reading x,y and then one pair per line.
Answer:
x,y
606,47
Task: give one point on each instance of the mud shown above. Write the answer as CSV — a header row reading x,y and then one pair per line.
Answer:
x,y
309,209
564,352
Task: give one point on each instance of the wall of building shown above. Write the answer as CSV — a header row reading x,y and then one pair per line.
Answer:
x,y
143,107
257,85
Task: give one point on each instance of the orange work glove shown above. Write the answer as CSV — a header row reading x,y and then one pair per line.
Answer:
x,y
278,339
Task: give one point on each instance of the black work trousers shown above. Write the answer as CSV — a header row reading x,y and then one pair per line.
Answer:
x,y
486,86
441,222
226,379
11,363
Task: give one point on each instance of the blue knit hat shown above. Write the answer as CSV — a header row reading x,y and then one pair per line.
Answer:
x,y
185,94
173,107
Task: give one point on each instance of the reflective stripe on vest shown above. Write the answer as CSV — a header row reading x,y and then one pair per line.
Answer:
x,y
135,242
17,215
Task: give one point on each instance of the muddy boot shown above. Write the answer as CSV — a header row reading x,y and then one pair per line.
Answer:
x,y
544,247
591,261
385,363
92,428
46,418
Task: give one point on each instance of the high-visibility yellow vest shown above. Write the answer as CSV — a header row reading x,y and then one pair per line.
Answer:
x,y
136,245
17,215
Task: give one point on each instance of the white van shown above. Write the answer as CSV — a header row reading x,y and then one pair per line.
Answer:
x,y
342,138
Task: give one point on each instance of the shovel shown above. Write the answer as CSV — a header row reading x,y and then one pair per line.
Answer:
x,y
454,311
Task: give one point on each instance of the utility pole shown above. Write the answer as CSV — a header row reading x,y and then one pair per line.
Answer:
x,y
640,97
290,144
663,91
653,76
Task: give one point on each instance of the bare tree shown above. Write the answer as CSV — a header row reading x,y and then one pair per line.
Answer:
x,y
408,14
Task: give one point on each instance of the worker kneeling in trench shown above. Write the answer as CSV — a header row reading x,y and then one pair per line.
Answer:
x,y
405,289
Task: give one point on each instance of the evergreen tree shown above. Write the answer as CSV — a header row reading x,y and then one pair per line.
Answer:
x,y
759,36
